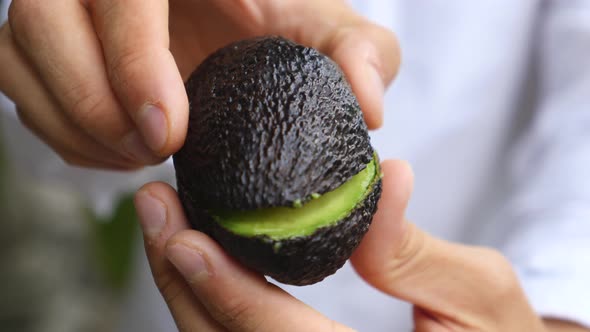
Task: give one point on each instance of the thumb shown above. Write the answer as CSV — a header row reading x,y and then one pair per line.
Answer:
x,y
238,298
204,288
467,284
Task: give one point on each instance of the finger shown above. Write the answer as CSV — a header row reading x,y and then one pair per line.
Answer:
x,y
424,322
76,155
67,55
368,53
239,299
397,187
161,216
466,284
38,111
142,71
369,56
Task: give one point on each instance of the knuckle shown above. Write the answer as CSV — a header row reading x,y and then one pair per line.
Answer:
x,y
388,36
391,51
238,314
169,287
399,262
23,13
391,41
123,65
404,259
97,112
498,273
86,105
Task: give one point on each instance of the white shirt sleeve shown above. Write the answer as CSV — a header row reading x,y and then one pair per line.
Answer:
x,y
549,215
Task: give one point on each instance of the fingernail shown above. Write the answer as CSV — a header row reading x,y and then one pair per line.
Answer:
x,y
153,126
376,80
152,214
189,262
373,69
136,149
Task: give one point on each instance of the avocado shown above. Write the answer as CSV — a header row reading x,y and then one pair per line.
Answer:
x,y
277,165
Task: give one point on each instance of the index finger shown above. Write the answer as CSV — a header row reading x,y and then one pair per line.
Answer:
x,y
141,69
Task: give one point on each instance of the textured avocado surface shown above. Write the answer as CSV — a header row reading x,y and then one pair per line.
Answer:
x,y
271,123
287,222
298,260
274,126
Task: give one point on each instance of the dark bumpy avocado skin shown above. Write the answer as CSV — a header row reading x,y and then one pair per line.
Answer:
x,y
296,261
271,122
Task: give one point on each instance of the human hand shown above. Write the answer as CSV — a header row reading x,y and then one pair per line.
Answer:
x,y
204,288
101,81
453,287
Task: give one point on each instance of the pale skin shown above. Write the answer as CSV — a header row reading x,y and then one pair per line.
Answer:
x,y
101,82
452,287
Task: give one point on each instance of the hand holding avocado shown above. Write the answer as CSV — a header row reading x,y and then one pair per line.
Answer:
x,y
277,165
101,81
453,287
277,171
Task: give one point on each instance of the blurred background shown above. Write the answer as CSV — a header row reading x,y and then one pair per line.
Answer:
x,y
493,119
68,251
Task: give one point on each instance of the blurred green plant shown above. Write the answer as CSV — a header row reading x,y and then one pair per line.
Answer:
x,y
64,268
115,238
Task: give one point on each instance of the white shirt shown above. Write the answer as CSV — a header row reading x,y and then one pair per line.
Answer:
x,y
492,109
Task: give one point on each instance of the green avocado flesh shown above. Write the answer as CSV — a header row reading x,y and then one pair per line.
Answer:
x,y
287,222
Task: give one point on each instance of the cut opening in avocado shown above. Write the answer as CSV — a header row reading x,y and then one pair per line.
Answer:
x,y
287,222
